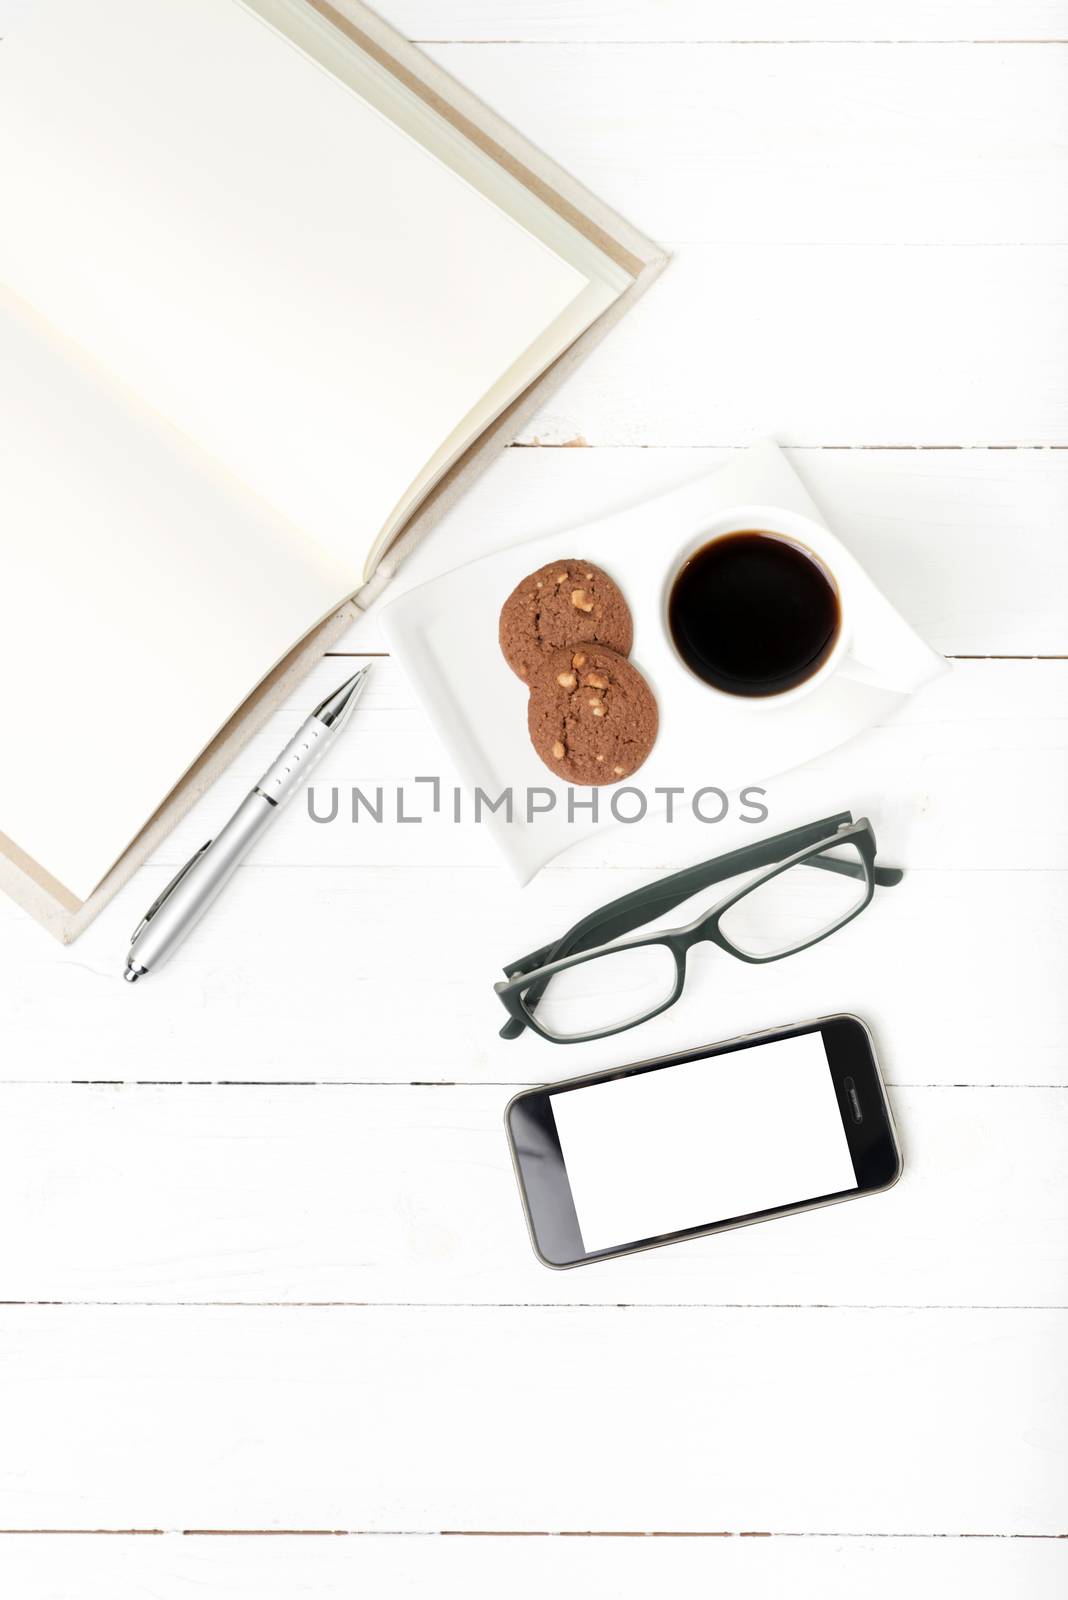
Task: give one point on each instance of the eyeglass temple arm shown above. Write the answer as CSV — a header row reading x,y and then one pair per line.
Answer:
x,y
885,877
643,905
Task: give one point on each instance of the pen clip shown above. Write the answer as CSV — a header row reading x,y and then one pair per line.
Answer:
x,y
166,893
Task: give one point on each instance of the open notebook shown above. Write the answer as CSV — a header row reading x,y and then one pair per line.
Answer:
x,y
267,278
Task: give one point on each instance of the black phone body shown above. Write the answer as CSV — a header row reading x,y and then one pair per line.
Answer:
x,y
720,1137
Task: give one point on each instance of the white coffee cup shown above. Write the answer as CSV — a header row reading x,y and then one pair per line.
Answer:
x,y
823,550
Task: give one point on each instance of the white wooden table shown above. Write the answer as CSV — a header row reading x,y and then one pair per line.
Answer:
x,y
263,1270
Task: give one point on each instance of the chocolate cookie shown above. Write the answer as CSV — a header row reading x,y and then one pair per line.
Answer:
x,y
591,715
566,603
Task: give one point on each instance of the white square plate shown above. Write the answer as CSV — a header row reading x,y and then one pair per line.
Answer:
x,y
445,635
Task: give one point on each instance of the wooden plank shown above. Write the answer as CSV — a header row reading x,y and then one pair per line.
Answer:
x,y
932,527
391,1195
831,344
484,1567
424,1419
964,793
923,775
765,144
695,20
960,973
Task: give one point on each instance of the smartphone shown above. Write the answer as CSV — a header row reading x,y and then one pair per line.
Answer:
x,y
716,1138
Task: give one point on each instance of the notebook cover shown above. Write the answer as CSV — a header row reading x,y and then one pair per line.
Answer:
x,y
22,878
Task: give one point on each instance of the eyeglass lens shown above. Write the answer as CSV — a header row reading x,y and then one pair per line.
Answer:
x,y
796,907
784,913
608,992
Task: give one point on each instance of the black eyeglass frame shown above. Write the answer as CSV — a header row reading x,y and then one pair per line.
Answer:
x,y
527,979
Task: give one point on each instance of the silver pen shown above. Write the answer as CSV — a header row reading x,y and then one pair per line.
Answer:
x,y
192,890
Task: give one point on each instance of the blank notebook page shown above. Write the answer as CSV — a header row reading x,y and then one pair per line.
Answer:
x,y
294,282
126,558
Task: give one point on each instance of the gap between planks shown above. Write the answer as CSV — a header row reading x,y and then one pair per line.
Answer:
x,y
579,443
397,1083
507,1533
521,1305
383,655
647,44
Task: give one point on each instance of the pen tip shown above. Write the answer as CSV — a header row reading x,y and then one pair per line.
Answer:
x,y
132,973
338,705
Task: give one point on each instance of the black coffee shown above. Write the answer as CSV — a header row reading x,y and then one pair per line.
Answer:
x,y
753,614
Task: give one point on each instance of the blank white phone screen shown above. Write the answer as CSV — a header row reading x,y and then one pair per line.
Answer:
x,y
702,1142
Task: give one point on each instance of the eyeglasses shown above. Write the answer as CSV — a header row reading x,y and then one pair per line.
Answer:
x,y
584,986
